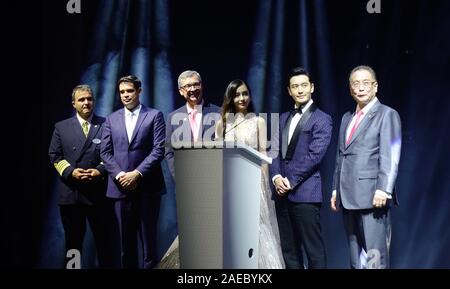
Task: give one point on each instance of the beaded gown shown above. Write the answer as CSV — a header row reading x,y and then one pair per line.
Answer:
x,y
270,257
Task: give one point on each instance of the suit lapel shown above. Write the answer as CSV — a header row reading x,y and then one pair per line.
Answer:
x,y
80,139
93,131
142,115
182,110
207,109
298,129
285,133
78,130
364,123
345,122
118,124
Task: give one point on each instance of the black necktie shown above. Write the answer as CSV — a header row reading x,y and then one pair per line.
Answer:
x,y
297,110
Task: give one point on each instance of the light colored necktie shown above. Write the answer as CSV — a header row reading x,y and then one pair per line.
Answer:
x,y
85,127
355,125
130,125
193,123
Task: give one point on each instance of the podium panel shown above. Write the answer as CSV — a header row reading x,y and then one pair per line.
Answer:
x,y
218,199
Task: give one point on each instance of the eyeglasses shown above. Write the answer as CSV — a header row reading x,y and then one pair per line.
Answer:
x,y
194,85
365,84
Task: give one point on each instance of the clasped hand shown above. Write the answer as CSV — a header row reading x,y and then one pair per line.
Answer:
x,y
129,180
282,186
85,175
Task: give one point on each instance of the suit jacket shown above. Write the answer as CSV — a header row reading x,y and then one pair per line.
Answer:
x,y
144,152
69,143
304,154
370,161
178,122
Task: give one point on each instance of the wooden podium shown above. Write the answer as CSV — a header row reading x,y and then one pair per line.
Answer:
x,y
218,189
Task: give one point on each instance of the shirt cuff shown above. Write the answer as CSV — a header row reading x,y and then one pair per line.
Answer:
x,y
119,175
274,178
333,194
381,193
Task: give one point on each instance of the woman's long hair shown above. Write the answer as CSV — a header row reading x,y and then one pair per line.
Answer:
x,y
228,101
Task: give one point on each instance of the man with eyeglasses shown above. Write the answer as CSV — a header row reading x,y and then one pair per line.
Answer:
x,y
194,121
367,161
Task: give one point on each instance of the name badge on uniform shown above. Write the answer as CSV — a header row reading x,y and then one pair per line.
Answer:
x,y
96,141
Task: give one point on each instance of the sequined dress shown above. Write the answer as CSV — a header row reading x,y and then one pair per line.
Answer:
x,y
270,257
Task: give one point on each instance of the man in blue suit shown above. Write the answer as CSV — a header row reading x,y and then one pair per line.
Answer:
x,y
193,122
75,152
132,150
304,136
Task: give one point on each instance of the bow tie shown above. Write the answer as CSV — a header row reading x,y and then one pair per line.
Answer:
x,y
297,110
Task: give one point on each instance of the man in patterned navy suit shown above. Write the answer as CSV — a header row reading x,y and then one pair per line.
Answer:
x,y
75,153
304,136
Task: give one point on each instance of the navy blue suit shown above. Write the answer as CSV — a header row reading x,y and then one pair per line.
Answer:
x,y
298,212
137,210
79,200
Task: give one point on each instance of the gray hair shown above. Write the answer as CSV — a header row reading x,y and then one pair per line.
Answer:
x,y
81,87
187,74
363,67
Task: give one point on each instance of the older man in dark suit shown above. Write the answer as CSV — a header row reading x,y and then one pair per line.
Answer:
x,y
132,150
193,122
304,137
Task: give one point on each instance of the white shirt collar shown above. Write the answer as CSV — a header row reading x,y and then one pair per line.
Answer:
x,y
197,107
306,106
368,106
82,120
135,111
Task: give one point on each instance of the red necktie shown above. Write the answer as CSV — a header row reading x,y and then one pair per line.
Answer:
x,y
193,123
355,125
